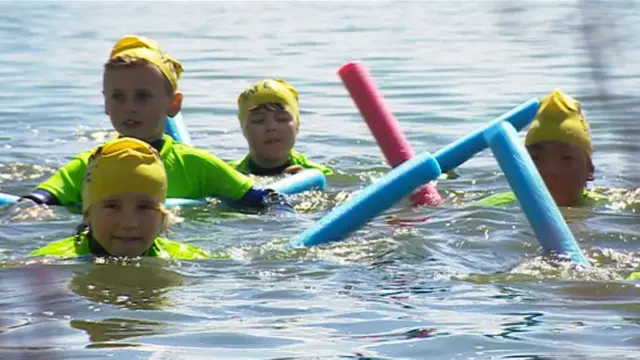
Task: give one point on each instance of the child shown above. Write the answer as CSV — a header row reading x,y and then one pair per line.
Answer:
x,y
269,115
140,88
559,142
123,218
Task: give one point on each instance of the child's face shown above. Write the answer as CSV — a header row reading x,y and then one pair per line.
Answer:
x,y
565,169
271,133
125,224
137,101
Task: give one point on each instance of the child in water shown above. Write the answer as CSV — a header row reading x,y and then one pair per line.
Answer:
x,y
140,88
123,193
269,115
559,142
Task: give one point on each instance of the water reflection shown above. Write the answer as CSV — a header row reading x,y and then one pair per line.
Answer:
x,y
132,285
513,328
112,329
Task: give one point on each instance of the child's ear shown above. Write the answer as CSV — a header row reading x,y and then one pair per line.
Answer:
x,y
592,170
176,104
85,217
165,220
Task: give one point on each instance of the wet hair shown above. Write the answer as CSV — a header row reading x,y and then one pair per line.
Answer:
x,y
592,168
270,106
120,62
80,230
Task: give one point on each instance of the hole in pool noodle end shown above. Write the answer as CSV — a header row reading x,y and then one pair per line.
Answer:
x,y
533,196
383,125
354,213
370,201
176,128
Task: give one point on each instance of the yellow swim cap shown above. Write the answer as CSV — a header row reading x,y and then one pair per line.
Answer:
x,y
560,118
124,165
144,48
266,91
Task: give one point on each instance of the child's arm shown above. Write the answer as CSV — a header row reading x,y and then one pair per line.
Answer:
x,y
301,160
64,187
222,181
40,197
266,199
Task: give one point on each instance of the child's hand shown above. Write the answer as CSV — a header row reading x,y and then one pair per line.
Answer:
x,y
26,209
293,169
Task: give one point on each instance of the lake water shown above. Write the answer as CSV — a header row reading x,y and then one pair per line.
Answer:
x,y
466,284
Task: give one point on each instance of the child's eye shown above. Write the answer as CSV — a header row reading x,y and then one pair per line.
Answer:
x,y
146,206
117,97
257,121
110,205
567,158
144,95
283,119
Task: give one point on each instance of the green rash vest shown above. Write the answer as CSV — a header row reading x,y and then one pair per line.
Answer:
x,y
295,158
192,173
589,198
77,246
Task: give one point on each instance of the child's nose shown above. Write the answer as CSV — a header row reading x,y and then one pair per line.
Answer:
x,y
271,125
129,220
131,106
549,168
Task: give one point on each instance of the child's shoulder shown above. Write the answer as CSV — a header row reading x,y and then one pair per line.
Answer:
x,y
66,248
298,158
86,154
184,151
234,163
241,165
177,250
498,199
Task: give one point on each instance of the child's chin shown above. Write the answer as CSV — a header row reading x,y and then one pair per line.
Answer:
x,y
274,152
276,156
136,132
128,248
127,133
563,201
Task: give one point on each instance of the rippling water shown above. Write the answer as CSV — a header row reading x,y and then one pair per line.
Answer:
x,y
465,284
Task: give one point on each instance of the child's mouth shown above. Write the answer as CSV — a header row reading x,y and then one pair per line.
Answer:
x,y
131,123
126,238
272,141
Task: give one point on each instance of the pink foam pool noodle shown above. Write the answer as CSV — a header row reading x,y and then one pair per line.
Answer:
x,y
383,125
